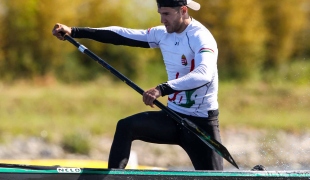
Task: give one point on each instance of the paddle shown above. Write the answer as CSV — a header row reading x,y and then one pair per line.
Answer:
x,y
200,133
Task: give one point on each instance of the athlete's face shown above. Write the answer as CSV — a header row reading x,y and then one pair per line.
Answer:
x,y
172,19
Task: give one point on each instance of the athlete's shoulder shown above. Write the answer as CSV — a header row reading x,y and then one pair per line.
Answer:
x,y
155,35
200,37
198,32
157,30
197,28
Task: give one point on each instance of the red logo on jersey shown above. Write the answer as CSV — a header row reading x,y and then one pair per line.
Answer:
x,y
148,30
184,60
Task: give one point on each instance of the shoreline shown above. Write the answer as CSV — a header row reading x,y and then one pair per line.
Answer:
x,y
275,151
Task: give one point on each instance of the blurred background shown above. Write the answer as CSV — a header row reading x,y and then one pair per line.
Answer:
x,y
56,103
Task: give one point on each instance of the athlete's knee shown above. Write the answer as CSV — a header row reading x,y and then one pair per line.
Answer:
x,y
126,124
123,124
133,124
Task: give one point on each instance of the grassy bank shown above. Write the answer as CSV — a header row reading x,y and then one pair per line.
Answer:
x,y
52,110
267,106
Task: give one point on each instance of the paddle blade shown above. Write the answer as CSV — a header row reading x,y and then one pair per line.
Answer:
x,y
211,142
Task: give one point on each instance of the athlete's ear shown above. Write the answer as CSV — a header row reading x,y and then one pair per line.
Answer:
x,y
184,10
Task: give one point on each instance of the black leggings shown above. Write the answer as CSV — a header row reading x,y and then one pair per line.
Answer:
x,y
158,127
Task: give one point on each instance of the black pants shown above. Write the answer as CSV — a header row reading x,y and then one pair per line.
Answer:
x,y
158,127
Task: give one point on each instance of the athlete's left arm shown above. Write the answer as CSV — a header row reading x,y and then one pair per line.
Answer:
x,y
200,76
204,72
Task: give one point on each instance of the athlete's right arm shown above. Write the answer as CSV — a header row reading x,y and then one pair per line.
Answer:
x,y
113,35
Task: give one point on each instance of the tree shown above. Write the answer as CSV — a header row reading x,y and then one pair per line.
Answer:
x,y
240,33
284,20
28,46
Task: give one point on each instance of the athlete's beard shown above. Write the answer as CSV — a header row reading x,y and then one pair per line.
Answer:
x,y
174,27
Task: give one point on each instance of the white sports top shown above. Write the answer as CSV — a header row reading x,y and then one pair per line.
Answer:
x,y
191,62
190,58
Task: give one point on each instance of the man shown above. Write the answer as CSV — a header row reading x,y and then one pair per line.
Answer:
x,y
190,56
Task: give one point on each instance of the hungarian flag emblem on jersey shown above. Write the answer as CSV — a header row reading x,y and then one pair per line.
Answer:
x,y
184,60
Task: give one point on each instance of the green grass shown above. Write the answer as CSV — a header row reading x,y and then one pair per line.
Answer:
x,y
56,110
268,106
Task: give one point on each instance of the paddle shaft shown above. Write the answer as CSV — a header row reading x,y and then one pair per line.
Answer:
x,y
212,143
122,77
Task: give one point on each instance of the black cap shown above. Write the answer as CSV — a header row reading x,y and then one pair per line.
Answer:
x,y
176,3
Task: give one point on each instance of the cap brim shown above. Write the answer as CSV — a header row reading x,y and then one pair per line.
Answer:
x,y
194,5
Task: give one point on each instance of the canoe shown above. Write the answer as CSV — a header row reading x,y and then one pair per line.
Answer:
x,y
25,172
